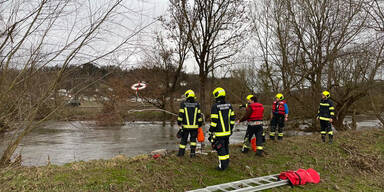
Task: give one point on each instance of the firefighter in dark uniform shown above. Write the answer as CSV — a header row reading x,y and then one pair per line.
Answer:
x,y
222,123
326,114
254,116
279,115
190,119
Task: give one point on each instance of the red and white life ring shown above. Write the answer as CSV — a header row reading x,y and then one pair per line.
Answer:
x,y
139,86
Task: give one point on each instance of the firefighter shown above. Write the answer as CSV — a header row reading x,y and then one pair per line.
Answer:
x,y
189,120
279,115
254,116
245,106
221,127
326,115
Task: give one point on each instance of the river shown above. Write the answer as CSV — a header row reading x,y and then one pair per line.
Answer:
x,y
65,142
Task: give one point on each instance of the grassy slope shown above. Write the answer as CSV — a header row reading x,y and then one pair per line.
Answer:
x,y
353,163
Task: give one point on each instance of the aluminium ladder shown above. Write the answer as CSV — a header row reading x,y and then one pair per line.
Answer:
x,y
253,184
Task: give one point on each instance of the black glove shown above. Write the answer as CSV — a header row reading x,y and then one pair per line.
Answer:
x,y
179,134
242,105
211,137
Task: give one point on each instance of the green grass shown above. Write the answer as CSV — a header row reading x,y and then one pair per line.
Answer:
x,y
354,162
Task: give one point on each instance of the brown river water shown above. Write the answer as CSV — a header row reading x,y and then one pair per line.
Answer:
x,y
65,142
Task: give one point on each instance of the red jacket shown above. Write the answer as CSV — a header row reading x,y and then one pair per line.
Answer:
x,y
254,112
257,112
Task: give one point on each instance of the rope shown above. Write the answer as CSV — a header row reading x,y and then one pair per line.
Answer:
x,y
140,110
155,109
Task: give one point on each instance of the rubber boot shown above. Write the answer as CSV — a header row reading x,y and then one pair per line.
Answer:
x,y
181,152
259,153
330,139
272,137
279,138
244,150
323,138
223,164
193,153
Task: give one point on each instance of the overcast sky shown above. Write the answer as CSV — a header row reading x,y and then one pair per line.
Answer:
x,y
133,22
144,12
151,9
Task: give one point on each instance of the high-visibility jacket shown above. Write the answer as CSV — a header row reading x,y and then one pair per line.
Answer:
x,y
280,107
326,110
190,115
222,119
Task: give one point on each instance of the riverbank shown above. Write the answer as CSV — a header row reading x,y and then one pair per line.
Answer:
x,y
354,162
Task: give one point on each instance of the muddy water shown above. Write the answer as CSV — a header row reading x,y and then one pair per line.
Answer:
x,y
65,142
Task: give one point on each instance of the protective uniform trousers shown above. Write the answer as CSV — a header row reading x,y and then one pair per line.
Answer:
x,y
222,148
184,141
326,128
277,120
256,130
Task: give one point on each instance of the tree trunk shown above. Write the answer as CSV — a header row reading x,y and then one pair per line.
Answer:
x,y
315,93
313,127
203,101
172,108
375,110
354,124
164,119
164,116
338,123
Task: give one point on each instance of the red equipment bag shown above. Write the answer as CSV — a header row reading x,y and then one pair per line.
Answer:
x,y
301,176
253,144
200,135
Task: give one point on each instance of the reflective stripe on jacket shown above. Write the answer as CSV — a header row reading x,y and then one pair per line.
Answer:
x,y
189,115
326,110
222,119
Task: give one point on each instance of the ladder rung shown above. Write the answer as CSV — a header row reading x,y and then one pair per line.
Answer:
x,y
271,185
253,184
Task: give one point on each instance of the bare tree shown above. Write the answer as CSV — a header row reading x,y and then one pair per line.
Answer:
x,y
160,64
215,30
354,76
41,33
176,33
279,58
376,12
306,43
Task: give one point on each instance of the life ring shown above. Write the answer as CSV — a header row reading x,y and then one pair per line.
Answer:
x,y
139,86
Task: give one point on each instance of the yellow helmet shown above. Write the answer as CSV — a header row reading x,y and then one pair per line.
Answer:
x,y
189,93
279,96
218,92
326,94
249,97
